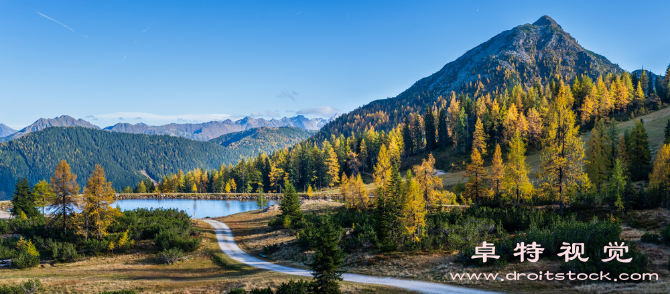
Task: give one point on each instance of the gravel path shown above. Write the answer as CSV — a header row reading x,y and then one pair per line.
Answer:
x,y
227,243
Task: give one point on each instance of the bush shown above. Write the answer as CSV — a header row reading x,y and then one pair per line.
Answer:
x,y
169,256
95,246
4,227
651,238
237,291
30,286
25,260
168,239
299,287
267,290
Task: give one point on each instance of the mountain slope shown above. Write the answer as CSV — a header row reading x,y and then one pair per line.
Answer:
x,y
263,140
210,130
524,55
124,156
43,123
6,131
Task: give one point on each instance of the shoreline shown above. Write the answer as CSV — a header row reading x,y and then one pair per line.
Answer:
x,y
215,196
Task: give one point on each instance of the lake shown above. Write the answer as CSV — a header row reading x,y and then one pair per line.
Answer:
x,y
196,208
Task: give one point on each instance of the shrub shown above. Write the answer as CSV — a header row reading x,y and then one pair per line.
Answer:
x,y
95,246
665,235
651,238
25,260
168,239
237,291
267,290
4,227
299,287
169,256
30,286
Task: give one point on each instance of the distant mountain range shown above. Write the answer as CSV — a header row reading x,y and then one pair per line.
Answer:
x,y
210,130
200,131
6,131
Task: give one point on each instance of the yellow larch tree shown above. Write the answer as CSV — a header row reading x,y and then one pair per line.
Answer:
x,y
98,200
563,152
480,137
516,180
660,175
382,170
429,183
497,170
477,177
333,167
66,191
413,211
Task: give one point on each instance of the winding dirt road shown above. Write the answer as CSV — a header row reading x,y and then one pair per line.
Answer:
x,y
227,243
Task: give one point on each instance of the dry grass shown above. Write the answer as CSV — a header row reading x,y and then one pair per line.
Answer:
x,y
137,271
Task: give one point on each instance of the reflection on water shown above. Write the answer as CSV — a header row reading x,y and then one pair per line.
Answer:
x,y
196,208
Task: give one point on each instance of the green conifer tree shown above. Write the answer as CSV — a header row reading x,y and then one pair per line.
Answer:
x,y
429,122
442,129
639,153
23,200
598,155
290,206
328,259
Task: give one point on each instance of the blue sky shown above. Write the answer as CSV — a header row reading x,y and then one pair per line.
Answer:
x,y
189,61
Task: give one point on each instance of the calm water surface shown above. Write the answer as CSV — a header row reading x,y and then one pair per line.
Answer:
x,y
197,208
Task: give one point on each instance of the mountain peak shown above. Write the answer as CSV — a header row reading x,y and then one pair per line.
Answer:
x,y
546,20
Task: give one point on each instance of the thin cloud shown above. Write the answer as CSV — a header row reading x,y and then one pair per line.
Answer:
x,y
62,24
158,117
287,95
271,113
324,111
297,13
255,113
143,31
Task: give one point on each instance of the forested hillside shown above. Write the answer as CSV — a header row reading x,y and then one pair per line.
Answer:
x,y
265,139
525,56
122,155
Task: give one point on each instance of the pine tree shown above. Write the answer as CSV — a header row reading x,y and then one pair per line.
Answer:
x,y
65,187
667,133
497,170
418,133
442,129
644,80
477,177
511,122
407,137
516,180
638,152
361,198
98,200
44,195
617,181
387,212
290,206
23,200
328,258
429,121
597,155
480,137
563,153
461,135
